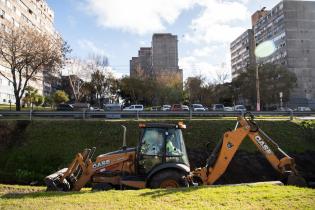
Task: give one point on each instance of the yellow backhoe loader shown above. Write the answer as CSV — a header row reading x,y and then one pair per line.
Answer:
x,y
160,161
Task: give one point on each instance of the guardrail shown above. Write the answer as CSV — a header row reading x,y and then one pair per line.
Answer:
x,y
142,114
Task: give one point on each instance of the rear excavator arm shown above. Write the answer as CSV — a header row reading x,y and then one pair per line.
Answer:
x,y
225,150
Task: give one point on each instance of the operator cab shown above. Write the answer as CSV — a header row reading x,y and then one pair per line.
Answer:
x,y
160,144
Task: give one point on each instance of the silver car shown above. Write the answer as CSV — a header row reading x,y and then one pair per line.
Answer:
x,y
166,107
240,108
197,107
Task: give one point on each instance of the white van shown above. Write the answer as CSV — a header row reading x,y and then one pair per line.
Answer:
x,y
137,107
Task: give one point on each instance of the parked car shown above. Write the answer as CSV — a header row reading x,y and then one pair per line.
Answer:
x,y
185,108
179,107
155,108
65,107
197,107
112,107
240,108
304,109
228,108
81,106
217,107
136,107
96,109
166,107
284,109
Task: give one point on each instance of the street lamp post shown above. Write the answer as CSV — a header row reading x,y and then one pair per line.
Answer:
x,y
262,50
257,89
281,102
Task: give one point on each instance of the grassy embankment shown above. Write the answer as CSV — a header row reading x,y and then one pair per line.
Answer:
x,y
31,150
6,107
224,197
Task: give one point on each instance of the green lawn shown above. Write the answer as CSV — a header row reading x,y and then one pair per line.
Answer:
x,y
226,197
6,107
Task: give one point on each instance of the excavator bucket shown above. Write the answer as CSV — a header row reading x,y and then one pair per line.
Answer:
x,y
296,180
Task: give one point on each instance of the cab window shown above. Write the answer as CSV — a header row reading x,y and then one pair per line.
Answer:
x,y
153,142
151,150
175,147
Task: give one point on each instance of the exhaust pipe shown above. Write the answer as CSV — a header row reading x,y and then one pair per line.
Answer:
x,y
124,146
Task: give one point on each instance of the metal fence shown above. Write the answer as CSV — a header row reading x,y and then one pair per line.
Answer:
x,y
140,114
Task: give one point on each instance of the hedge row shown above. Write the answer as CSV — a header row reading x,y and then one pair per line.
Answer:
x,y
31,150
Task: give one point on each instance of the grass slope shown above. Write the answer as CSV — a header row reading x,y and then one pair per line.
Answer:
x,y
225,197
31,150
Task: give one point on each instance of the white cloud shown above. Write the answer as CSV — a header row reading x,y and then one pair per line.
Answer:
x,y
208,34
137,16
116,73
218,22
90,47
195,67
206,51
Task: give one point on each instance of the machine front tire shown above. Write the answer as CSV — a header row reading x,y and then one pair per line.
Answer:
x,y
169,179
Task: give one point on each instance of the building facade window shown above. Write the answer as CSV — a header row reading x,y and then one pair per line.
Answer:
x,y
2,13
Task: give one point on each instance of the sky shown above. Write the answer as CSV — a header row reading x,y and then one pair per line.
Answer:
x,y
118,28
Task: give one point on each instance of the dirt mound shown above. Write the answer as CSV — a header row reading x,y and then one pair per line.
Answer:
x,y
253,167
11,133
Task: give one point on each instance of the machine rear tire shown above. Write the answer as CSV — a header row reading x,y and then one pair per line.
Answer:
x,y
101,186
169,179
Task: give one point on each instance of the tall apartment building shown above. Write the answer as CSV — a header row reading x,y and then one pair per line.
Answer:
x,y
160,61
243,47
242,52
259,14
141,65
36,13
290,25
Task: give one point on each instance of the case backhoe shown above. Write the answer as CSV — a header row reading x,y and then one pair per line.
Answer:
x,y
160,161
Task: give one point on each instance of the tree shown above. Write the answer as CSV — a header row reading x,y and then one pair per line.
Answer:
x,y
193,87
148,91
102,82
60,96
39,100
273,80
32,97
27,52
131,89
48,101
80,72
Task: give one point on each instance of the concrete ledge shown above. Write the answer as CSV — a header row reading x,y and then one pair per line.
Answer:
x,y
250,184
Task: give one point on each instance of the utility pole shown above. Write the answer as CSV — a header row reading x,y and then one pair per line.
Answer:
x,y
257,89
262,50
281,102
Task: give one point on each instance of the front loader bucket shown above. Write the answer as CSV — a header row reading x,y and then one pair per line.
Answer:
x,y
66,178
54,183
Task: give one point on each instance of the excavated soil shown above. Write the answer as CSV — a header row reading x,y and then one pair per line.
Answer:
x,y
253,167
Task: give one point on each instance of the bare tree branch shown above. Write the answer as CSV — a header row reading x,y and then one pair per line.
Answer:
x,y
27,52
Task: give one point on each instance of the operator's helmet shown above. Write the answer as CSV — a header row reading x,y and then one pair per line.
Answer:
x,y
170,137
